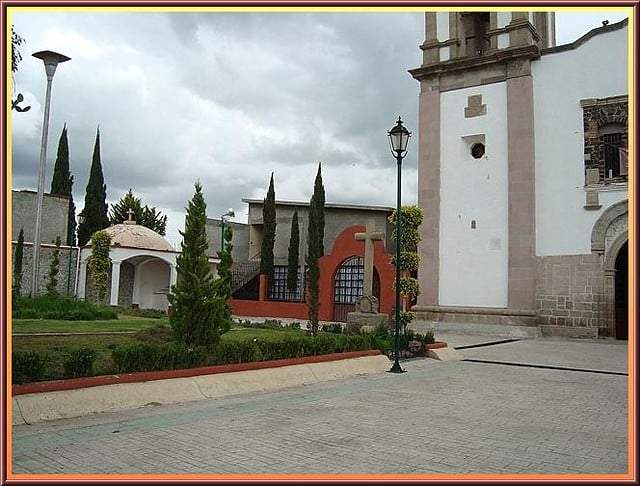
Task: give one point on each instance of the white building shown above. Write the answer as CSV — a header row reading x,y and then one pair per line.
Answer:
x,y
143,267
521,173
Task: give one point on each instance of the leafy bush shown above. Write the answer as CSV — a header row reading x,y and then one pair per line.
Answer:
x,y
79,363
28,366
60,308
130,358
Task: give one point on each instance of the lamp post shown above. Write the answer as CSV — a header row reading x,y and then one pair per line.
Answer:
x,y
51,60
230,213
398,140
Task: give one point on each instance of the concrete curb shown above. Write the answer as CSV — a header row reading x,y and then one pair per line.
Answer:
x,y
37,407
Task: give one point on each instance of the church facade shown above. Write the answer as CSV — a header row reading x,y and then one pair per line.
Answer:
x,y
523,173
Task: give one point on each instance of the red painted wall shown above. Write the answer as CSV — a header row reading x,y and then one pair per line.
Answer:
x,y
344,247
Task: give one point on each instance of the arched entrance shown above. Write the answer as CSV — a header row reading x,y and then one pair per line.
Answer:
x,y
348,284
621,292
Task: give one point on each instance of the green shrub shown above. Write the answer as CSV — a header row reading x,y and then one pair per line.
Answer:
x,y
157,334
79,363
130,358
230,352
60,308
28,366
334,328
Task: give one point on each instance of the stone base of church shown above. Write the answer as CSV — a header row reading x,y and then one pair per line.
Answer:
x,y
569,332
477,315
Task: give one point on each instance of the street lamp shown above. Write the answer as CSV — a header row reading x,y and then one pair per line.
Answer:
x,y
230,213
51,60
398,140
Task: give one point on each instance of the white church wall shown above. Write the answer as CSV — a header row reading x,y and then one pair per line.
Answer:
x,y
473,262
596,69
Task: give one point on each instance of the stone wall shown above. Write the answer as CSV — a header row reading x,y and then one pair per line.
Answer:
x,y
570,291
55,213
66,275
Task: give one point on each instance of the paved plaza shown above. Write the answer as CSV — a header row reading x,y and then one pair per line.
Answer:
x,y
439,417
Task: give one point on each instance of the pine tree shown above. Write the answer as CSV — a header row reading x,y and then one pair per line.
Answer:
x,y
54,269
95,200
62,184
315,251
143,215
294,254
17,265
199,312
268,231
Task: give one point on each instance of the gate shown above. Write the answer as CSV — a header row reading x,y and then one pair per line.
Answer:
x,y
348,285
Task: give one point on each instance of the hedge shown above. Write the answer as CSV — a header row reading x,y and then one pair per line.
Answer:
x,y
60,308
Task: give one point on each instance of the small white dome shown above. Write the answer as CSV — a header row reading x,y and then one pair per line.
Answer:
x,y
137,236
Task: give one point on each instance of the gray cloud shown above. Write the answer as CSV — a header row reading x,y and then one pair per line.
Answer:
x,y
226,99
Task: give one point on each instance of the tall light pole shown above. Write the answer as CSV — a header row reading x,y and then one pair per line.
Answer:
x,y
398,140
51,60
230,213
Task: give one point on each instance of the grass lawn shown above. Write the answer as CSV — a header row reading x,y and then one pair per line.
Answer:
x,y
124,323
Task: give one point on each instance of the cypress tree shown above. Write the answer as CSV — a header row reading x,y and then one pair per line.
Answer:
x,y
294,254
17,265
62,184
199,312
315,251
54,269
223,282
318,192
95,200
268,231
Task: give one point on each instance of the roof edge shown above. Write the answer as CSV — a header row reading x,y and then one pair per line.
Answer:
x,y
581,40
327,205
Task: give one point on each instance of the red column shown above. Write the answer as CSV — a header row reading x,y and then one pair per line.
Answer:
x,y
263,289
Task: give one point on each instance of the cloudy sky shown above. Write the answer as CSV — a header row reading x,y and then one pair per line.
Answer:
x,y
228,98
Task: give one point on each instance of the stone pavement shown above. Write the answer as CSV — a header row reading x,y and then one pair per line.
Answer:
x,y
454,417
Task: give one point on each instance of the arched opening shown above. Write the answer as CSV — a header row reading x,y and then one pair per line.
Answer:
x,y
621,292
348,285
149,285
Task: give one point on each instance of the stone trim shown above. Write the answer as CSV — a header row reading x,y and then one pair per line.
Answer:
x,y
474,107
521,195
599,231
429,194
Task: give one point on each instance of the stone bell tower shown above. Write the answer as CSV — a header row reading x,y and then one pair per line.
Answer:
x,y
476,165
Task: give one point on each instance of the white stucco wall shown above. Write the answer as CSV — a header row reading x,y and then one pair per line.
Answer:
x,y
596,69
473,262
